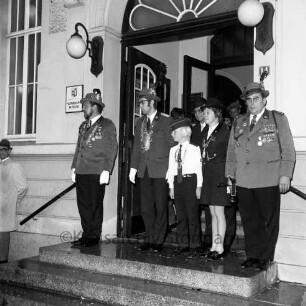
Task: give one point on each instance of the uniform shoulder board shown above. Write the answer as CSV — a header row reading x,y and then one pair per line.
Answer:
x,y
277,112
165,115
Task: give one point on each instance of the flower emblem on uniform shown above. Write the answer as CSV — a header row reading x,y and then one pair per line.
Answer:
x,y
166,11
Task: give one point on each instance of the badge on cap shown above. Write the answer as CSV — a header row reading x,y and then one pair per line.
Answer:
x,y
259,143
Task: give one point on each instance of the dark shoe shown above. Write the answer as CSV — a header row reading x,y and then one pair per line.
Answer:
x,y
195,252
3,262
261,265
78,242
248,263
180,251
90,242
227,250
206,253
145,247
157,248
215,255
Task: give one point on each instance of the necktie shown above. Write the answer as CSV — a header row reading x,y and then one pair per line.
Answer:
x,y
179,166
148,124
253,122
88,124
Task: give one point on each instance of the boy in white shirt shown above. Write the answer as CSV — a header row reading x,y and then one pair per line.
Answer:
x,y
185,182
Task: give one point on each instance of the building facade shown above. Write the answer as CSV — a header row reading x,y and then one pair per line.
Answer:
x,y
37,72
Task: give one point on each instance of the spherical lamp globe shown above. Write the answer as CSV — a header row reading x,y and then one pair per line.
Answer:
x,y
250,13
76,46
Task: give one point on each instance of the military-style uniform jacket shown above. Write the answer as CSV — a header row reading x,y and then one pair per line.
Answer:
x,y
259,158
213,160
152,151
96,147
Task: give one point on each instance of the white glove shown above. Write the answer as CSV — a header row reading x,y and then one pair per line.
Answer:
x,y
104,177
132,175
73,175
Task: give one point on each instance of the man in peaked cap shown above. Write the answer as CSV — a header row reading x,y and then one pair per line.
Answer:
x,y
149,160
13,188
92,164
261,158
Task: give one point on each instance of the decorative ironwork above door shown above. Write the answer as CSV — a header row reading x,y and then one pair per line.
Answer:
x,y
144,14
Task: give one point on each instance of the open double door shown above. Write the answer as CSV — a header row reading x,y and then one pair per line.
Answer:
x,y
143,71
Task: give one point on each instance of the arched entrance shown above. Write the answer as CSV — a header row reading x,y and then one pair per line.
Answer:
x,y
177,52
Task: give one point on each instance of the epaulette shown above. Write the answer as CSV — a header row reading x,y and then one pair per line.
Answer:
x,y
277,112
165,115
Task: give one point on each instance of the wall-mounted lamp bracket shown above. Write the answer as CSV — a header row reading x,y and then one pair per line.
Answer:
x,y
76,49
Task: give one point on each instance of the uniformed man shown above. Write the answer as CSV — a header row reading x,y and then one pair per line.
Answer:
x,y
149,160
261,158
92,164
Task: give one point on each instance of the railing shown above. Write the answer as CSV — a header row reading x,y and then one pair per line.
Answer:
x,y
298,192
292,189
47,204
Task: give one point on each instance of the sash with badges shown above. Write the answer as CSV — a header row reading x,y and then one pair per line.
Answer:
x,y
146,136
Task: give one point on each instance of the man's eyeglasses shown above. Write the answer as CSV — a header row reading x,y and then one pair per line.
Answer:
x,y
250,100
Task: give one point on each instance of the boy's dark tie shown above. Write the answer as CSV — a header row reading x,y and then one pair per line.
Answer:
x,y
179,166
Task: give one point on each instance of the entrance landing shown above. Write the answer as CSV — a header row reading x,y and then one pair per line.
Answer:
x,y
122,258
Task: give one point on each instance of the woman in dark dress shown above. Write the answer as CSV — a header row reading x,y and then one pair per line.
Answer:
x,y
213,162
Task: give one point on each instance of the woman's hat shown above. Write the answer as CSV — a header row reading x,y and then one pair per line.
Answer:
x,y
214,102
179,122
5,144
252,88
149,94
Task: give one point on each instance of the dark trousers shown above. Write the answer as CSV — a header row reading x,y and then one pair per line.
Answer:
x,y
187,209
4,245
259,210
90,196
231,223
154,207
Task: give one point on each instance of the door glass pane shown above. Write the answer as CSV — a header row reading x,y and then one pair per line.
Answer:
x,y
151,79
38,13
29,123
10,130
145,77
13,15
12,61
18,110
138,78
21,15
31,50
32,10
199,80
20,60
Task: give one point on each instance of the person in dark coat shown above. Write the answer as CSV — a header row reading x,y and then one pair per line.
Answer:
x,y
261,157
213,160
149,160
92,164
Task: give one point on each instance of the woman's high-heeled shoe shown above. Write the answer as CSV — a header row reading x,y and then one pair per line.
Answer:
x,y
216,256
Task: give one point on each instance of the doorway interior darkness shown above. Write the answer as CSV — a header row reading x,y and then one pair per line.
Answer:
x,y
230,48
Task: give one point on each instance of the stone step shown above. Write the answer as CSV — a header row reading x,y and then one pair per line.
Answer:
x,y
13,295
122,258
109,289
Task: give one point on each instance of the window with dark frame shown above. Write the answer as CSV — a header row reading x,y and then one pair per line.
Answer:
x,y
24,43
